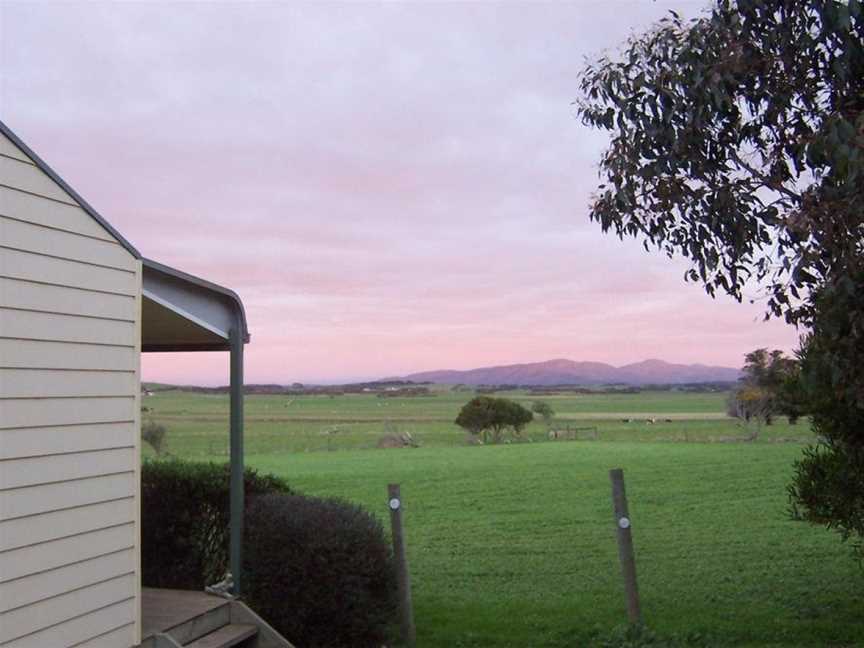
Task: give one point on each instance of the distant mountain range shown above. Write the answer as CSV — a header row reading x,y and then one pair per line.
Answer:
x,y
570,372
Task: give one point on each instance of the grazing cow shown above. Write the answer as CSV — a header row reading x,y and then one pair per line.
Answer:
x,y
651,421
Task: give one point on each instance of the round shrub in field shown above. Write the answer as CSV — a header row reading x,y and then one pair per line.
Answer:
x,y
320,571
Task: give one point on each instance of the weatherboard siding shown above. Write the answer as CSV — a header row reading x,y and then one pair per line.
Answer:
x,y
22,353
26,176
58,439
52,554
18,233
24,325
23,532
63,216
20,623
70,313
32,295
80,629
33,266
8,149
18,383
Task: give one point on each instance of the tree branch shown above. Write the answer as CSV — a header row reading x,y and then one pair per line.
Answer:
x,y
765,179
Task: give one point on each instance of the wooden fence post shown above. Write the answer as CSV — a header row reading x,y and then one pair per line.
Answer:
x,y
406,612
625,544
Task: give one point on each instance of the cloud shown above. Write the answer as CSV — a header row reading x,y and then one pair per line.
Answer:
x,y
390,187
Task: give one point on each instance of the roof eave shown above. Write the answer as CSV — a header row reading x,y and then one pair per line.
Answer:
x,y
207,285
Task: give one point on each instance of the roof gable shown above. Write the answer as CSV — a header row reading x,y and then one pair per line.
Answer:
x,y
20,151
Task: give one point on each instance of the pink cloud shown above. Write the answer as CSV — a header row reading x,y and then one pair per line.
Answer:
x,y
390,188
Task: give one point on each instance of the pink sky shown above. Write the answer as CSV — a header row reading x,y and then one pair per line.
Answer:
x,y
390,188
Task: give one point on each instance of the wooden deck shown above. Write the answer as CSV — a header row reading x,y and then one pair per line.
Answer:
x,y
162,609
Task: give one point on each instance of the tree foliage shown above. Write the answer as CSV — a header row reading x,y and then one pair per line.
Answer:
x,y
769,370
769,387
543,409
751,404
828,487
475,415
737,141
487,415
516,416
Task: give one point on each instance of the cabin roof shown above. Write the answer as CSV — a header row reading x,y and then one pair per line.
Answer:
x,y
180,312
47,170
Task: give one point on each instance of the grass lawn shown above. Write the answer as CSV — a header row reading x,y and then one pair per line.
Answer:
x,y
514,545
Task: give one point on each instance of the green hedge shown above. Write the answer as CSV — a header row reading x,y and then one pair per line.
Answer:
x,y
319,570
185,516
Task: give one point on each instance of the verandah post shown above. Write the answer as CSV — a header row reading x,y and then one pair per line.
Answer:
x,y
237,494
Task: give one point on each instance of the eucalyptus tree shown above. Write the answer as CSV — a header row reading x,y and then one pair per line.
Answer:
x,y
737,141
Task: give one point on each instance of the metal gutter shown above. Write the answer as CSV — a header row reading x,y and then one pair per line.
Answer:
x,y
207,285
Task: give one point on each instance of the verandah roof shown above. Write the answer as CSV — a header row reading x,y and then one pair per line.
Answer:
x,y
184,313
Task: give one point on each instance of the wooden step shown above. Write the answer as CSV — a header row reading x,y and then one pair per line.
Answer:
x,y
183,615
225,637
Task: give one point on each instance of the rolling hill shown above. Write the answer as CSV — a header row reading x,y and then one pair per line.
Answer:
x,y
571,372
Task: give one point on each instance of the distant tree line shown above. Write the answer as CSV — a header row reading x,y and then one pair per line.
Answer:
x,y
405,392
299,389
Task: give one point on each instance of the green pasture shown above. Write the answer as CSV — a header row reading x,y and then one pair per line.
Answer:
x,y
513,545
443,405
198,423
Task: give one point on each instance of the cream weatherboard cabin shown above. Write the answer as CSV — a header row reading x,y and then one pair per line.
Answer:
x,y
78,305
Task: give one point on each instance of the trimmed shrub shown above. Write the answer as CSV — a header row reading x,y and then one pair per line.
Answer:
x,y
319,570
185,516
